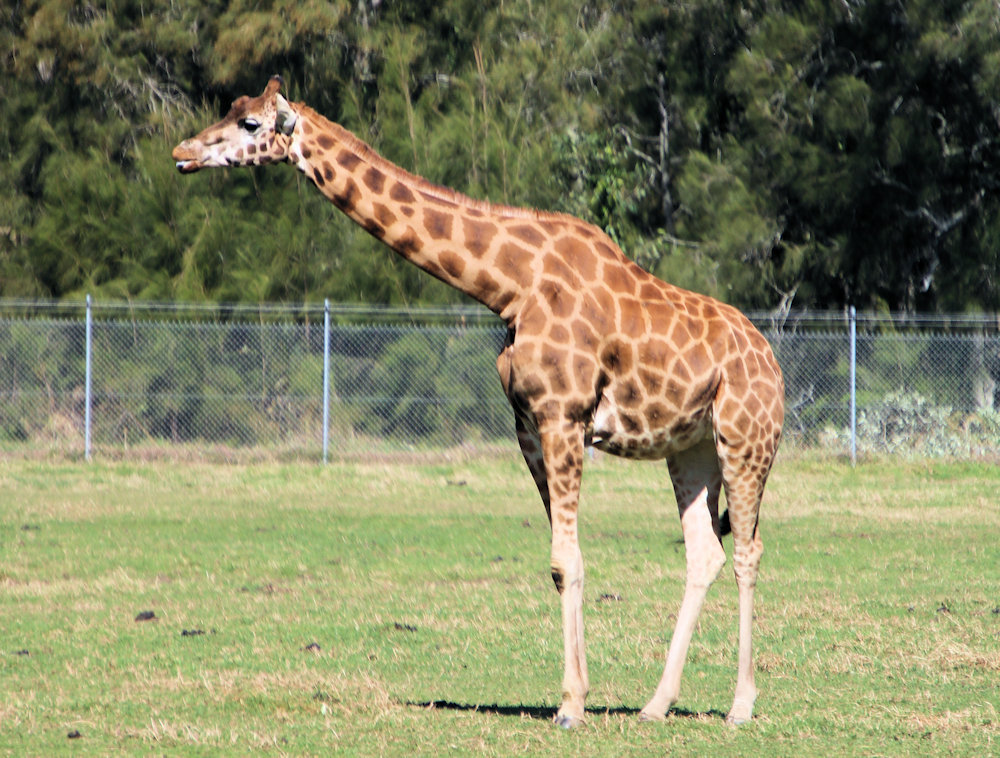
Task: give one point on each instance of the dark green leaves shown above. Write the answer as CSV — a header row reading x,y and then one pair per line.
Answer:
x,y
808,153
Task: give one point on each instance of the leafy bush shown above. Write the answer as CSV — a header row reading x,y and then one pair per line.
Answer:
x,y
908,424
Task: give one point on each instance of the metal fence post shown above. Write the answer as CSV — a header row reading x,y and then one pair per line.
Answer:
x,y
326,380
853,320
87,386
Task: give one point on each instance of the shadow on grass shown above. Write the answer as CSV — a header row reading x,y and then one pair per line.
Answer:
x,y
547,714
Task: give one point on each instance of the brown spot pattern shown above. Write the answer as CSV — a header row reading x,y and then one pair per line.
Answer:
x,y
579,256
529,234
514,262
557,268
401,193
384,215
561,303
348,198
374,180
453,264
345,158
485,283
479,236
437,224
409,242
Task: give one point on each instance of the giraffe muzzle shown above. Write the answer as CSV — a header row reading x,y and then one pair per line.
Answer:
x,y
183,160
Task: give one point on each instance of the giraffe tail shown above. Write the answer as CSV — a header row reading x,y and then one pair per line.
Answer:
x,y
724,526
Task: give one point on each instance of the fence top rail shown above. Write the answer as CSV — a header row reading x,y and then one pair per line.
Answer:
x,y
354,313
812,320
778,320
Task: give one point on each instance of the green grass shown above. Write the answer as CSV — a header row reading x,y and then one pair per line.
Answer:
x,y
427,590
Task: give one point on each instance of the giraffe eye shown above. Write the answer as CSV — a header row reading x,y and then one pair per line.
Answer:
x,y
250,124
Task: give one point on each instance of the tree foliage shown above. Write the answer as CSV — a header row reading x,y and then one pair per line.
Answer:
x,y
770,153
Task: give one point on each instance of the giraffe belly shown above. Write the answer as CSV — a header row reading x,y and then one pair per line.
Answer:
x,y
636,435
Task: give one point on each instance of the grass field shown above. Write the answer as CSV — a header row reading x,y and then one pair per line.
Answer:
x,y
407,609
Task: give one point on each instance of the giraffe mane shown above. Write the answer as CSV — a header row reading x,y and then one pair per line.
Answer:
x,y
368,154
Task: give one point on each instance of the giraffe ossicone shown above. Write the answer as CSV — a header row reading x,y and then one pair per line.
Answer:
x,y
598,352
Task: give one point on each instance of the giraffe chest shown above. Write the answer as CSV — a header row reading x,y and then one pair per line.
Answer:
x,y
647,429
635,400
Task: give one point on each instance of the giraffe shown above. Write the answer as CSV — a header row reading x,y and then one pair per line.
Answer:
x,y
598,352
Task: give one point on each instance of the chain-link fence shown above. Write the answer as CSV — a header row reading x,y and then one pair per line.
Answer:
x,y
924,386
342,382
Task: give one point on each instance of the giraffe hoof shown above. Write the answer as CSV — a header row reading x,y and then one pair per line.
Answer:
x,y
646,716
740,713
567,722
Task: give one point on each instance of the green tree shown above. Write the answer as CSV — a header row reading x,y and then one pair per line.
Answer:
x,y
771,153
871,129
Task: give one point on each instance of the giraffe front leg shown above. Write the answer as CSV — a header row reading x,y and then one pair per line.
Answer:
x,y
562,462
567,573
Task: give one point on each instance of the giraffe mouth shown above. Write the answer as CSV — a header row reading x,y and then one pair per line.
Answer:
x,y
185,157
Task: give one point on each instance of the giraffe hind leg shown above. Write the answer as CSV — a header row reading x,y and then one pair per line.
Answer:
x,y
744,485
697,482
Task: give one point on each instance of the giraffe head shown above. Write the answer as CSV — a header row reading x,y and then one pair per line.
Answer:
x,y
255,131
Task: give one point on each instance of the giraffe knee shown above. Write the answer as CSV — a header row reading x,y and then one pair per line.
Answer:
x,y
559,579
565,577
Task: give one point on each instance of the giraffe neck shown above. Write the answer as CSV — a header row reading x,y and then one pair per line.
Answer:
x,y
463,242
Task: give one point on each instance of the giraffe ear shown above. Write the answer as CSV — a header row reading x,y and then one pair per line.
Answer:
x,y
286,119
